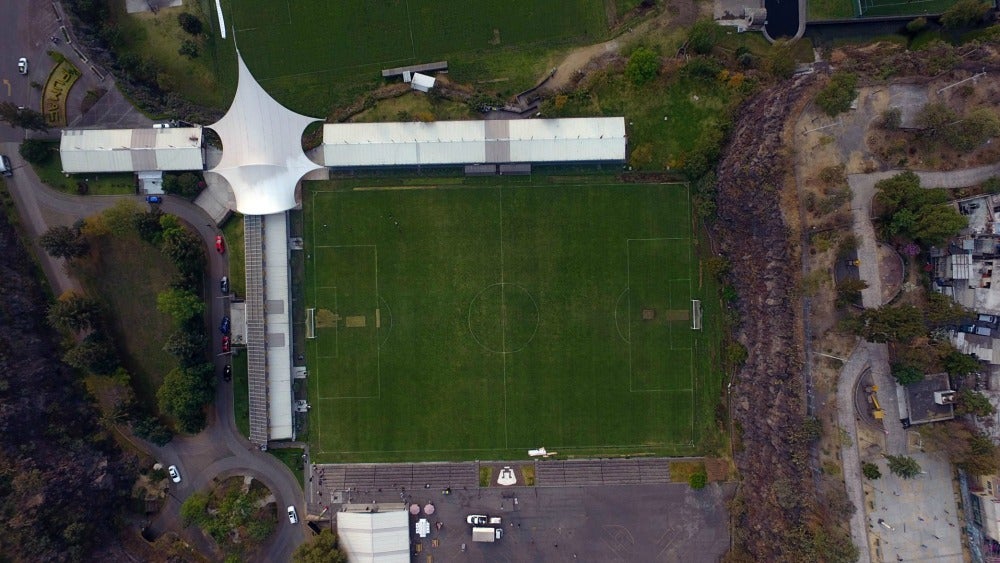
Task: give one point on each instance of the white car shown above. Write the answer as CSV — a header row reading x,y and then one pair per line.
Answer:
x,y
175,475
476,520
22,65
293,516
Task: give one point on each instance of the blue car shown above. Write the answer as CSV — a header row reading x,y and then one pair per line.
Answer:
x,y
154,199
224,327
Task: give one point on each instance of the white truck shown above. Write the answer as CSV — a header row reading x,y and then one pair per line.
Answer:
x,y
488,535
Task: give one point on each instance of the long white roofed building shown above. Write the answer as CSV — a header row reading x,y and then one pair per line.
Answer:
x,y
537,141
131,150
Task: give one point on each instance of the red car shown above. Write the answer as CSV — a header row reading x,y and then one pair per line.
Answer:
x,y
220,245
225,344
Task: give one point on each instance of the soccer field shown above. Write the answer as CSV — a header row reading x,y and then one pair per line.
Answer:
x,y
465,322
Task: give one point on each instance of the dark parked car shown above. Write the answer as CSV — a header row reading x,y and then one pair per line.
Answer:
x,y
224,325
224,285
227,373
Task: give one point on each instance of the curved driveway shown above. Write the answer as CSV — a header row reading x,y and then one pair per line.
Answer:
x,y
219,450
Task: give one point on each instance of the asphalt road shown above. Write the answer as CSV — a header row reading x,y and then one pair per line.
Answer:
x,y
219,450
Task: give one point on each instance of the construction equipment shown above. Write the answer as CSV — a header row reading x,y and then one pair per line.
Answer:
x,y
877,412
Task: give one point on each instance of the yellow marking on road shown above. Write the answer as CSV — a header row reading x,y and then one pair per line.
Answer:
x,y
7,82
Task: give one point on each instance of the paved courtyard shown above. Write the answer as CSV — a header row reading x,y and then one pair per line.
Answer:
x,y
649,523
915,519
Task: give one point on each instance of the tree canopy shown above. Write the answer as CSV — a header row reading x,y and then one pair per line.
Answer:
x,y
35,151
322,549
906,374
181,304
836,97
95,354
642,66
904,466
23,118
915,212
703,36
871,470
74,312
901,323
964,13
974,403
184,393
64,242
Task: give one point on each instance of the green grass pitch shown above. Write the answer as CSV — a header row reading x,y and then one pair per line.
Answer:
x,y
476,322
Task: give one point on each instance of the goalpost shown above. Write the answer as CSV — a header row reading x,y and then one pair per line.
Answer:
x,y
695,314
311,323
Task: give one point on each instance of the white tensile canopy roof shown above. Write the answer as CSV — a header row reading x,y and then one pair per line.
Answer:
x,y
262,156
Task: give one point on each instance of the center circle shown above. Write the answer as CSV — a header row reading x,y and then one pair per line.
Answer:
x,y
503,318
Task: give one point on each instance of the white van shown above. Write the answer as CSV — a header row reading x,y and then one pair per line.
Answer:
x,y
488,535
5,169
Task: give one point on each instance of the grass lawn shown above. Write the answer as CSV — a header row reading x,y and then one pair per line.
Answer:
x,y
157,37
50,172
312,53
127,273
477,322
241,394
292,458
411,106
235,251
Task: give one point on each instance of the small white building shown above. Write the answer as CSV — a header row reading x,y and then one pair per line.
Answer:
x,y
421,82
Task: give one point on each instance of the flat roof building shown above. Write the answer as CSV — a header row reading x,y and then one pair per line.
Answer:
x,y
597,139
367,536
131,150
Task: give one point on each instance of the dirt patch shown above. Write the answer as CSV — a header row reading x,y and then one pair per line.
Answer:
x,y
356,322
891,272
326,318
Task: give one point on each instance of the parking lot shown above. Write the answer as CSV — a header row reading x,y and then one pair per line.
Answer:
x,y
655,522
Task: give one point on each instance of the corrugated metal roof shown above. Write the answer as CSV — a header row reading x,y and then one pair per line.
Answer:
x,y
131,150
279,330
474,142
382,537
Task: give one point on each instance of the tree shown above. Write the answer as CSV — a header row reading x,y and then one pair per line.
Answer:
x,y
976,404
182,247
195,509
964,446
917,25
870,471
74,312
936,224
95,355
849,292
642,66
322,549
906,374
187,185
184,393
972,130
23,118
189,23
837,95
903,466
942,311
120,218
698,480
180,304
703,36
147,225
35,151
964,13
958,364
889,323
150,428
188,346
63,242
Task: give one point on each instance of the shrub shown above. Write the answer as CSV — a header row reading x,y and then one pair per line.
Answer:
x,y
964,13
837,96
189,23
188,49
870,470
892,118
642,66
698,480
703,35
916,26
35,151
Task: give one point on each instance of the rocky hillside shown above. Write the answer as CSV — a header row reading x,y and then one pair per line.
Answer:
x,y
62,482
777,514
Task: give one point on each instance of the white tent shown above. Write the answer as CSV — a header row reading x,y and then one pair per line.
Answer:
x,y
262,156
377,537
